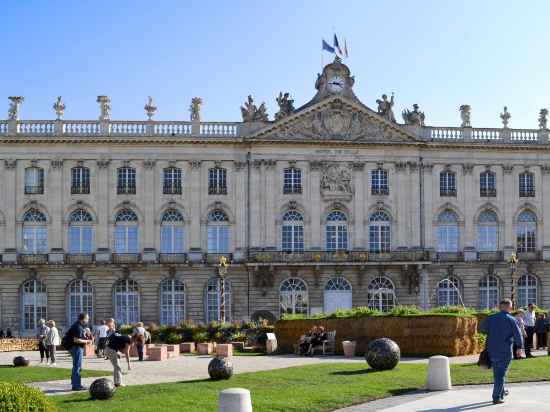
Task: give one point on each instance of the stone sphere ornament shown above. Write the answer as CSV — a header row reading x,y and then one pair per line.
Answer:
x,y
220,368
383,354
20,361
102,389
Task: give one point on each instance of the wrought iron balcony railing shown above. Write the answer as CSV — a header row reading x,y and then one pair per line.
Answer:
x,y
126,258
175,258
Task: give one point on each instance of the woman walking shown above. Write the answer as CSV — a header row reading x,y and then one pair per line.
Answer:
x,y
138,336
42,333
52,341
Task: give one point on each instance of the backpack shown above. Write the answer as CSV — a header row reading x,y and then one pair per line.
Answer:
x,y
68,340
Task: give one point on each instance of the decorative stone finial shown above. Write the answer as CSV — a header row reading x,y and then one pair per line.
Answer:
x,y
505,116
385,107
465,112
150,108
286,105
251,113
414,117
104,107
195,109
543,121
15,106
59,108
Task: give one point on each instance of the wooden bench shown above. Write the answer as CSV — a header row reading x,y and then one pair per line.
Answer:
x,y
329,346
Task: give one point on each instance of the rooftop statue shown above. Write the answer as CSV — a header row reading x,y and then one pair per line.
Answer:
x,y
505,116
414,117
150,108
543,121
59,108
465,111
195,108
286,105
15,105
251,113
385,107
104,107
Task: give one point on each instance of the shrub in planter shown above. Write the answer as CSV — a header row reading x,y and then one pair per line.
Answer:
x,y
200,337
239,337
15,397
173,338
125,329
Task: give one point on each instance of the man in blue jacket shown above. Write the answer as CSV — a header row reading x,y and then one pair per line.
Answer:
x,y
502,332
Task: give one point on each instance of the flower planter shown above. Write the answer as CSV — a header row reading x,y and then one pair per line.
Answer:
x,y
187,347
225,350
349,348
204,348
238,346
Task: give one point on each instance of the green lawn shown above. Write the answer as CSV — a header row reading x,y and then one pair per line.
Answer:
x,y
312,388
9,373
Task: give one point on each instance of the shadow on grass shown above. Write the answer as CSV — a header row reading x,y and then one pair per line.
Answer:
x,y
354,372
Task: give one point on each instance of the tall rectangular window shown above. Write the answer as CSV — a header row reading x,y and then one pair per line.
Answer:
x,y
526,184
218,239
126,181
487,184
379,182
80,239
292,180
171,239
217,181
34,181
80,180
126,239
172,184
447,184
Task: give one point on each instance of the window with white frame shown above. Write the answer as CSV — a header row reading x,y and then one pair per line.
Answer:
x,y
172,302
126,232
447,183
489,293
172,181
336,231
447,232
80,180
35,232
487,231
526,232
172,233
379,182
126,180
213,299
292,180
34,181
338,294
34,299
293,297
293,232
218,232
381,294
217,181
526,184
379,232
81,232
527,290
81,300
126,302
487,184
448,292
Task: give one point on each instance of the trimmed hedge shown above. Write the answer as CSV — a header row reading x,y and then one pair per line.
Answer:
x,y
16,397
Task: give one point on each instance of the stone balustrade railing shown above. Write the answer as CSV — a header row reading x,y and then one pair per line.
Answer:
x,y
485,135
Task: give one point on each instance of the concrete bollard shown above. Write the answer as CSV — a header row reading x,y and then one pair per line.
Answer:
x,y
235,400
439,374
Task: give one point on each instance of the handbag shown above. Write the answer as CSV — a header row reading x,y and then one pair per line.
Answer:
x,y
484,360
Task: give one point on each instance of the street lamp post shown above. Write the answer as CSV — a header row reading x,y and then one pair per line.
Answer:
x,y
513,261
222,271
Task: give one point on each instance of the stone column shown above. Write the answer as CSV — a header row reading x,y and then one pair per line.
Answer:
x,y
509,193
241,211
255,199
315,204
195,180
545,169
149,182
413,206
359,205
402,205
101,186
468,193
424,293
9,207
54,190
272,188
429,183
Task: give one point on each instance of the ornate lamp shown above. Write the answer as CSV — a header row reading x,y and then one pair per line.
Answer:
x,y
513,262
222,271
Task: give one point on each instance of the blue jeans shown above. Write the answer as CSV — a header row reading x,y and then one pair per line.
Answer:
x,y
500,367
77,354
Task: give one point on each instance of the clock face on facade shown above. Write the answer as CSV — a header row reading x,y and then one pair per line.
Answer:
x,y
336,84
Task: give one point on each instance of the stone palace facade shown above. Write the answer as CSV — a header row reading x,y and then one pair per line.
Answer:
x,y
331,205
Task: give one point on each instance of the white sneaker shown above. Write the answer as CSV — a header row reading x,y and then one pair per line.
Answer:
x,y
53,364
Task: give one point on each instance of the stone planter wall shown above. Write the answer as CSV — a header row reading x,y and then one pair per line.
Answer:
x,y
415,335
13,345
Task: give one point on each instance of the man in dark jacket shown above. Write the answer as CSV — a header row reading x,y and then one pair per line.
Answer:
x,y
502,332
79,339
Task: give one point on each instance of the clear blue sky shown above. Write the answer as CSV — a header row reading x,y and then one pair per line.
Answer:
x,y
440,54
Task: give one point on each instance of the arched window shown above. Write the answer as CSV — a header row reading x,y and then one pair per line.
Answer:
x,y
218,232
338,294
81,233
126,232
447,232
126,303
487,231
34,181
293,232
381,294
293,297
527,290
337,231
526,232
448,292
34,298
172,234
379,232
489,293
213,299
35,232
81,300
172,302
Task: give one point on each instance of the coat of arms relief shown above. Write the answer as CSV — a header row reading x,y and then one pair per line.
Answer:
x,y
336,181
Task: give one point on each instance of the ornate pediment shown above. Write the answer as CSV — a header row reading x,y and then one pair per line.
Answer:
x,y
336,118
